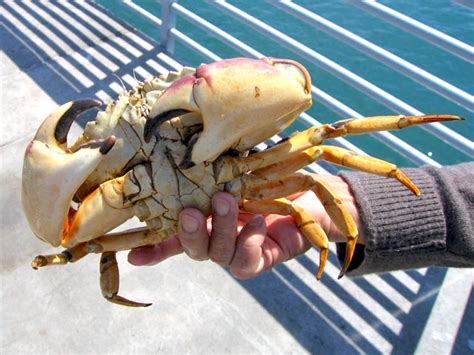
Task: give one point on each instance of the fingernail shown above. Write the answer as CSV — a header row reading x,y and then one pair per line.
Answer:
x,y
221,207
189,223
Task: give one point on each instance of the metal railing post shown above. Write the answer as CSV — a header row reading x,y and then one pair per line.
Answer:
x,y
416,28
168,18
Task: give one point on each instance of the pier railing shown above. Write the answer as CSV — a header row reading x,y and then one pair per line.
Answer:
x,y
169,34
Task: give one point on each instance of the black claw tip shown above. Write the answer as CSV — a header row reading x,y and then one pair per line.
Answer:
x,y
107,145
149,130
65,122
104,145
154,122
187,162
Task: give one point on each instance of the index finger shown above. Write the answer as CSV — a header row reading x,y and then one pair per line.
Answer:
x,y
153,254
224,228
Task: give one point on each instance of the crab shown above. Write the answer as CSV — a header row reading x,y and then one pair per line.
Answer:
x,y
172,142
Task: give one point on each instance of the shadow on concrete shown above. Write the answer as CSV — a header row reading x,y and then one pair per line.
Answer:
x,y
315,322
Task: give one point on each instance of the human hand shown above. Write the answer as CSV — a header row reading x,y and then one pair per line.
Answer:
x,y
247,244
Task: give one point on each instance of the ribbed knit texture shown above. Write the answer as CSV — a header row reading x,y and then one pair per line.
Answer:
x,y
404,231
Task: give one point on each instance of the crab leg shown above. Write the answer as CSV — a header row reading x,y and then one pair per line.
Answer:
x,y
228,168
339,156
131,239
272,182
277,180
53,259
108,245
304,222
290,165
377,123
254,189
119,241
344,157
110,281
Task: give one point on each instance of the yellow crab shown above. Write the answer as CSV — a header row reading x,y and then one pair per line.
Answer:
x,y
173,142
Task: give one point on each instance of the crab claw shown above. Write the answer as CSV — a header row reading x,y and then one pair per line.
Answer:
x,y
52,174
242,102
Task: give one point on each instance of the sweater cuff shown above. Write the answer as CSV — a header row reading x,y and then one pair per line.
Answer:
x,y
396,224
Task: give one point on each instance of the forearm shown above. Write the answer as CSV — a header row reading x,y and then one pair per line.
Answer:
x,y
403,231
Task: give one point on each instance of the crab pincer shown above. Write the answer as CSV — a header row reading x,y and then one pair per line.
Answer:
x,y
52,174
241,103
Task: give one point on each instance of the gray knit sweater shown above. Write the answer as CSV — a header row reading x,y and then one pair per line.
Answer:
x,y
403,231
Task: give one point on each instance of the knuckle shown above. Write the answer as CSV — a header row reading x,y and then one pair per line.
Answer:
x,y
223,231
190,241
195,249
193,240
197,257
221,258
195,254
201,258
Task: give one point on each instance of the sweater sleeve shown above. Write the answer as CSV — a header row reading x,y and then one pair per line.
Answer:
x,y
403,231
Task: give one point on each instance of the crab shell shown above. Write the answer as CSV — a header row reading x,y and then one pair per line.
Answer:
x,y
241,102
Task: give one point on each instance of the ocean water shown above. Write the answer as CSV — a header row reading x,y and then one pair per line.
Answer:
x,y
443,15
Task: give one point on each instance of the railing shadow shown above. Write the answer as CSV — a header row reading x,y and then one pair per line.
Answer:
x,y
62,75
87,56
316,324
464,337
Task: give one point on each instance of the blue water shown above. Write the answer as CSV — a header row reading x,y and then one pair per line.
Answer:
x,y
443,15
